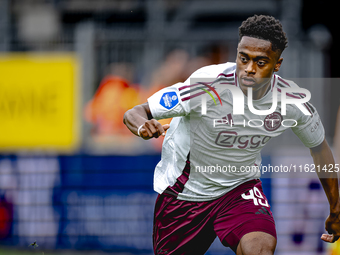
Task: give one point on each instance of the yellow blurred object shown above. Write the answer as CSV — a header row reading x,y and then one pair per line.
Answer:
x,y
39,102
334,248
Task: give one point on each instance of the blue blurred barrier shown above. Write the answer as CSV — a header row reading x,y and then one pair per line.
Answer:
x,y
106,202
81,202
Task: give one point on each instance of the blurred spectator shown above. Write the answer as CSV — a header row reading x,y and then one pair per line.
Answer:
x,y
170,71
178,65
115,95
106,110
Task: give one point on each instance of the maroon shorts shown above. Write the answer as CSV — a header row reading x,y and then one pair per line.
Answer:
x,y
184,227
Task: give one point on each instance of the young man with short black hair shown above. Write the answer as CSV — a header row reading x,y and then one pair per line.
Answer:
x,y
195,205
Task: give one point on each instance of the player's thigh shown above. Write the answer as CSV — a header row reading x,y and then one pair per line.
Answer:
x,y
248,212
181,227
256,243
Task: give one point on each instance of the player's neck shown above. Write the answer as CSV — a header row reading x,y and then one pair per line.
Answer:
x,y
258,94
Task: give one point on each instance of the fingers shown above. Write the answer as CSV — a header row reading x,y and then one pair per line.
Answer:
x,y
152,128
332,226
329,238
165,128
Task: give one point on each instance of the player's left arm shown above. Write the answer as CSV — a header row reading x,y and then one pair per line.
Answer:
x,y
323,157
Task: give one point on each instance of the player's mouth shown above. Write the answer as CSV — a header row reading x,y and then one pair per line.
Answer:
x,y
248,81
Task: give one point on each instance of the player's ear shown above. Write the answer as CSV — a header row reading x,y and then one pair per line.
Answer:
x,y
278,65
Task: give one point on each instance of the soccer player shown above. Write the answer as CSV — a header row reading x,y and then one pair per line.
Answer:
x,y
204,190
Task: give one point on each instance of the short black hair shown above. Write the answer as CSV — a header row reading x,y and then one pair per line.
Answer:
x,y
266,28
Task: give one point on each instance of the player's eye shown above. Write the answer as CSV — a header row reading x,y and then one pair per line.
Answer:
x,y
261,63
243,59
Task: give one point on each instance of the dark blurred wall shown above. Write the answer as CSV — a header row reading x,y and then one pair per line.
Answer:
x,y
325,12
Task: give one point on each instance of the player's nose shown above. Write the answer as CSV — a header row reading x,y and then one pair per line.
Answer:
x,y
250,68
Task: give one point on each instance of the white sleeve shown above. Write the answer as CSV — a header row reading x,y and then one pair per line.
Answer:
x,y
309,128
174,101
168,102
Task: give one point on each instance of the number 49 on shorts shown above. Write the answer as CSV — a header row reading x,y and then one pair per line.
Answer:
x,y
256,196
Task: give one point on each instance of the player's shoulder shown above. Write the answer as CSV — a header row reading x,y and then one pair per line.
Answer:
x,y
212,71
285,83
294,92
290,88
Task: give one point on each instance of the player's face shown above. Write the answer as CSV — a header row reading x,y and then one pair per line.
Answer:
x,y
255,64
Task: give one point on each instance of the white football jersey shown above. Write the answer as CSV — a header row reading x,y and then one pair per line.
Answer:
x,y
224,147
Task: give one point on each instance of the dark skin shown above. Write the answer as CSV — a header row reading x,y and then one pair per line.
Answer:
x,y
322,155
140,115
255,64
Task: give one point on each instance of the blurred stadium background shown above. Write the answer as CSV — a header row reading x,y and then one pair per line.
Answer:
x,y
72,178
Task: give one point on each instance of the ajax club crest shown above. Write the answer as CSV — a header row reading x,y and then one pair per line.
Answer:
x,y
272,121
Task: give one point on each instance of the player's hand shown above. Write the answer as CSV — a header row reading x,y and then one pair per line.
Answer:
x,y
152,128
332,225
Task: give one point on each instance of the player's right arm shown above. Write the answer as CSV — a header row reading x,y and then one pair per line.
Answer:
x,y
140,117
166,103
311,132
169,102
323,157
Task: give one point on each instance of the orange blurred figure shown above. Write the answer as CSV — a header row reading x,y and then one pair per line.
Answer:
x,y
111,100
